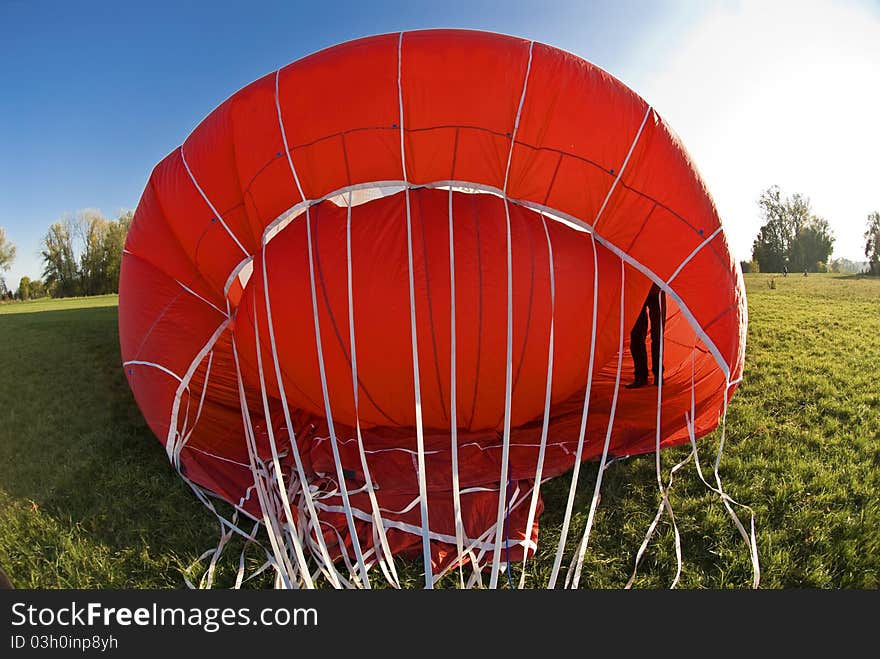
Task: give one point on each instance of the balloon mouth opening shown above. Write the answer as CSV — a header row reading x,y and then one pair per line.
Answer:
x,y
335,333
365,193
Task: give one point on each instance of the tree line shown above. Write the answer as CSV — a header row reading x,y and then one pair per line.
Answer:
x,y
794,239
82,255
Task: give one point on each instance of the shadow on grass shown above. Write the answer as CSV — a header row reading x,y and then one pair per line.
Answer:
x,y
74,446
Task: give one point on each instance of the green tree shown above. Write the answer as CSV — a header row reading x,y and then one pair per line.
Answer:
x,y
24,288
82,255
113,246
7,251
812,245
791,235
37,289
59,263
92,228
872,243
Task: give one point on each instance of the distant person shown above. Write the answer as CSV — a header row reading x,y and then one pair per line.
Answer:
x,y
653,310
785,271
805,272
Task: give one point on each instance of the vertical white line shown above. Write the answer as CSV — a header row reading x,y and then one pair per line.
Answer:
x,y
340,474
377,516
453,411
420,439
662,305
282,563
539,469
594,502
282,487
327,563
508,374
563,537
664,491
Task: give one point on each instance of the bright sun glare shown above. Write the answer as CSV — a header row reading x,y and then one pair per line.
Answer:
x,y
766,93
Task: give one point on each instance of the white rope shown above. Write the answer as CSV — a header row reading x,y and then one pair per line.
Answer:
x,y
186,436
594,502
276,463
136,362
539,468
453,411
210,205
356,545
750,539
386,558
196,295
420,439
664,490
663,503
171,439
623,166
690,256
283,566
508,373
557,561
326,563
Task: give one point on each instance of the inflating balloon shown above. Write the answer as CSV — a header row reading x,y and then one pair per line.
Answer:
x,y
380,295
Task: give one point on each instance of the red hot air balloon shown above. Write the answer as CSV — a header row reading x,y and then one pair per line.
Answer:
x,y
378,295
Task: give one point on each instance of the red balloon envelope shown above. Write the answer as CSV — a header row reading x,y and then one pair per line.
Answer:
x,y
381,293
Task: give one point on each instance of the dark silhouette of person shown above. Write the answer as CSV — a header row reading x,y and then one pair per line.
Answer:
x,y
653,310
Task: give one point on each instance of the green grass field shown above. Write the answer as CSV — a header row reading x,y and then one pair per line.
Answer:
x,y
88,500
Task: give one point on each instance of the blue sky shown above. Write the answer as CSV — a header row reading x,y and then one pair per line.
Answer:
x,y
95,93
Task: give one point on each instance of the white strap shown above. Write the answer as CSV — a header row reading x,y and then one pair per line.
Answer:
x,y
420,439
386,556
453,410
664,490
749,538
566,521
282,488
326,562
623,166
539,468
210,205
266,507
508,372
355,541
594,502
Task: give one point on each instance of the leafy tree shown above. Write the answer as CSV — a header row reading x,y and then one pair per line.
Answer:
x,y
60,268
30,289
38,289
7,251
92,228
113,246
812,245
791,235
872,243
83,255
24,288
